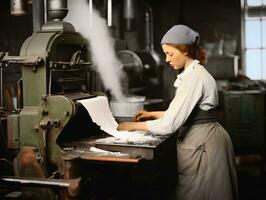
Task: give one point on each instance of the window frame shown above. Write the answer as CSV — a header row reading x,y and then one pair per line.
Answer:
x,y
260,12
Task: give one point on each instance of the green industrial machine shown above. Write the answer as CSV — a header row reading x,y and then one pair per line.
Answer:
x,y
245,119
53,62
55,73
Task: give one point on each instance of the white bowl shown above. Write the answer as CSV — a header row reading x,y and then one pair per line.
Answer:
x,y
127,108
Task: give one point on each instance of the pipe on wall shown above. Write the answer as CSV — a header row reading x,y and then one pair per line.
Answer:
x,y
90,12
149,28
109,13
38,17
129,15
56,9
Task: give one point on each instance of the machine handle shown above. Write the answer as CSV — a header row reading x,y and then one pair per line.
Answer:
x,y
72,185
24,60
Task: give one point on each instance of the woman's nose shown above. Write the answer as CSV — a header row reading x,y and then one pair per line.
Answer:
x,y
167,59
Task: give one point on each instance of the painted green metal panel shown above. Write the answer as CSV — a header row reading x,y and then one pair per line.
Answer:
x,y
13,131
244,119
35,82
28,120
57,109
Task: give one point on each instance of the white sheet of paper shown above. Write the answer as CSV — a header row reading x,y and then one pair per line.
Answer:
x,y
101,114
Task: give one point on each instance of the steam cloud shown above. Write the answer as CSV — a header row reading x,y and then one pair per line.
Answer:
x,y
95,30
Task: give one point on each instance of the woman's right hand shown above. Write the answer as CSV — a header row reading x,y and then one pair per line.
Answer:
x,y
143,116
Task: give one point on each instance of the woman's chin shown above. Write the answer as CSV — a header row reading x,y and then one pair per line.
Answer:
x,y
176,67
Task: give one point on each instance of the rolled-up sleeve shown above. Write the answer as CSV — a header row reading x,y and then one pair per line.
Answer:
x,y
188,94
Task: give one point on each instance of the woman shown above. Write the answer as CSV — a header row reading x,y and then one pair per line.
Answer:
x,y
205,157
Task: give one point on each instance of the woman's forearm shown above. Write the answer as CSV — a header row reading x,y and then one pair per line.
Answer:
x,y
157,114
132,126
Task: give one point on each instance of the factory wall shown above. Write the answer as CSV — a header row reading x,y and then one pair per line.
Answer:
x,y
213,19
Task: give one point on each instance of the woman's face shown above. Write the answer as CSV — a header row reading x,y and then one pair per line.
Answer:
x,y
174,57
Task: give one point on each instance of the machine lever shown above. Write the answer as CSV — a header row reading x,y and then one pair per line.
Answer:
x,y
72,185
25,60
76,57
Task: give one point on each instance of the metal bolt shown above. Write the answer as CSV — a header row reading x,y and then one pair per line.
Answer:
x,y
56,123
44,112
44,97
34,69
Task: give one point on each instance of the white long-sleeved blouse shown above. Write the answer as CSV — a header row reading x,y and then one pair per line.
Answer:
x,y
194,87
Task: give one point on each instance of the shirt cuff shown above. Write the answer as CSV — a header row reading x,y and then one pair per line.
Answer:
x,y
154,126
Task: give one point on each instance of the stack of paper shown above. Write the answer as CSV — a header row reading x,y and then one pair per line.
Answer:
x,y
101,114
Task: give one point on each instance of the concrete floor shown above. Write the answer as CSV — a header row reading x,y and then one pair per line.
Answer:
x,y
251,182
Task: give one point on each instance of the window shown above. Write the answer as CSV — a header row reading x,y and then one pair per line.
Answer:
x,y
254,38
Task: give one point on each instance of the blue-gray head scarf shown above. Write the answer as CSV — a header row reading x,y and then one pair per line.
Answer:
x,y
181,34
